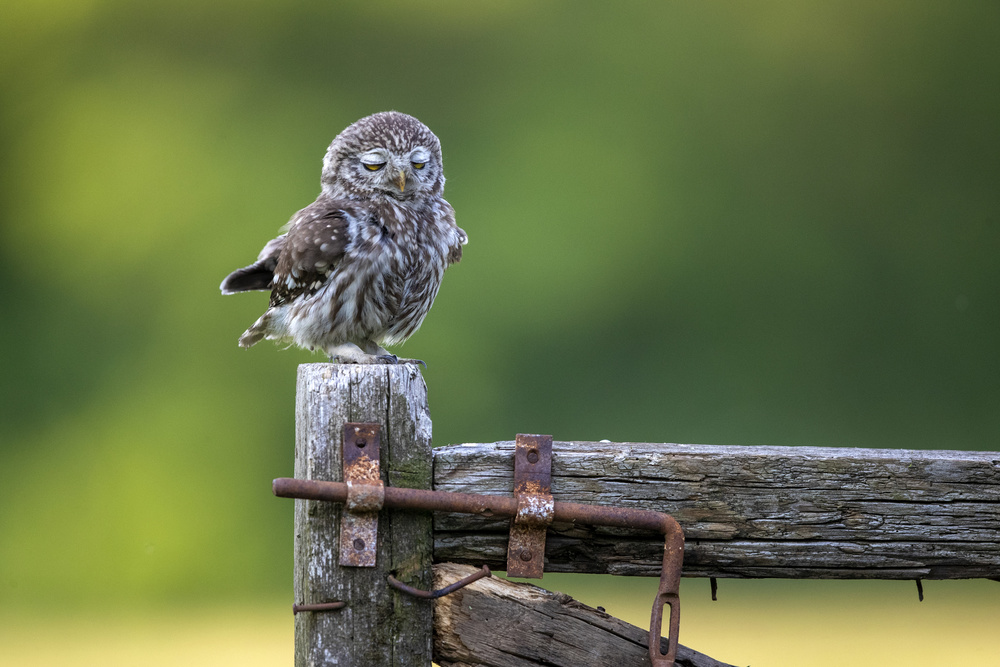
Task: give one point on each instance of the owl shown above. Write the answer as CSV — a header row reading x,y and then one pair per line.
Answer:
x,y
359,267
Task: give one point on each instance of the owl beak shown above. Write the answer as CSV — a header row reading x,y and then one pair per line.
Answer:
x,y
401,180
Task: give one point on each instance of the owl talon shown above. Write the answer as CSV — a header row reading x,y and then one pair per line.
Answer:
x,y
393,359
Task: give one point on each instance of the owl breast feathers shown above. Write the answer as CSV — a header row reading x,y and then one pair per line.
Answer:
x,y
359,267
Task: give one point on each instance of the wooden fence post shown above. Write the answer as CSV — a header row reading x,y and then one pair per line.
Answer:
x,y
379,627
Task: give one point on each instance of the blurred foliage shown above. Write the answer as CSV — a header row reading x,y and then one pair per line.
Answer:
x,y
772,223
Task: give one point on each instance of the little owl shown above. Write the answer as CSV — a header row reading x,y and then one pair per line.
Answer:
x,y
359,267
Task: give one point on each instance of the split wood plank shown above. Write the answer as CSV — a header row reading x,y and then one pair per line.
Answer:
x,y
499,623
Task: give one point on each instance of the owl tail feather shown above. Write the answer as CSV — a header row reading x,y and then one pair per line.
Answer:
x,y
250,337
256,332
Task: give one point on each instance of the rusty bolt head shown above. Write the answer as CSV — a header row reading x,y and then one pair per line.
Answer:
x,y
359,543
533,456
525,555
360,442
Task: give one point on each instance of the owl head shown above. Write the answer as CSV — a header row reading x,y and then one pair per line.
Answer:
x,y
386,155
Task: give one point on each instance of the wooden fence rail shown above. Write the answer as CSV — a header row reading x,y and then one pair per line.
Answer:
x,y
793,512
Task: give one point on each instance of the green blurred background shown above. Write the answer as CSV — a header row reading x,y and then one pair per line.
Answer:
x,y
761,223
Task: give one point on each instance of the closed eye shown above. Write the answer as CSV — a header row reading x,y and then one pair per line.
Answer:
x,y
374,167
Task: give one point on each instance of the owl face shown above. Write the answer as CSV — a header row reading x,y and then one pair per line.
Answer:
x,y
394,174
388,155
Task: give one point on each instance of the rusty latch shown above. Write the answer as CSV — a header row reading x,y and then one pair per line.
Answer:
x,y
365,494
535,508
538,509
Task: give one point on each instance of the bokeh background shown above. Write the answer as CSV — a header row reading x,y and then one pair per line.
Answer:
x,y
759,223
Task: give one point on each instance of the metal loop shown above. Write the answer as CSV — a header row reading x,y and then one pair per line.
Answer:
x,y
668,595
441,592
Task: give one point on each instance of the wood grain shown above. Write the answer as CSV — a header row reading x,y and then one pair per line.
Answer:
x,y
793,512
379,627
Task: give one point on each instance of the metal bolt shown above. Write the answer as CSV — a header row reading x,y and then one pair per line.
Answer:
x,y
525,555
533,456
359,544
360,442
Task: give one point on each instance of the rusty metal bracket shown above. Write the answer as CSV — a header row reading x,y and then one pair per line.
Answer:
x,y
365,494
533,490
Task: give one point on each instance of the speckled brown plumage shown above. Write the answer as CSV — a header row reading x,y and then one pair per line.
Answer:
x,y
359,267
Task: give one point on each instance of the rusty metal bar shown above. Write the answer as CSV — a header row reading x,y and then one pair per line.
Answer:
x,y
441,592
506,506
321,606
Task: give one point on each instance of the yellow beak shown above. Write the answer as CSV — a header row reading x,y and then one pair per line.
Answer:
x,y
401,180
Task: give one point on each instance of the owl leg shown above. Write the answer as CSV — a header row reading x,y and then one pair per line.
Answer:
x,y
349,353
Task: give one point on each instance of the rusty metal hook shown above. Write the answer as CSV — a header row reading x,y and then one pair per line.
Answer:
x,y
441,592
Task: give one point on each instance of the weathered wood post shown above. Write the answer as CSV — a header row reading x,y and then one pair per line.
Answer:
x,y
379,626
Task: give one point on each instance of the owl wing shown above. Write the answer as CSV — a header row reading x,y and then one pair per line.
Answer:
x,y
313,247
458,236
455,252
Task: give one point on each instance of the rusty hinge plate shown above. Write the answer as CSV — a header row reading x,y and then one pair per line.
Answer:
x,y
365,494
533,490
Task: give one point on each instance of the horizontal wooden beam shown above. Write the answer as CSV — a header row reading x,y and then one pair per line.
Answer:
x,y
792,512
499,623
